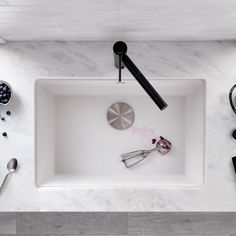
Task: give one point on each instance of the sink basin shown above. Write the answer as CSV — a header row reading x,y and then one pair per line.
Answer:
x,y
76,146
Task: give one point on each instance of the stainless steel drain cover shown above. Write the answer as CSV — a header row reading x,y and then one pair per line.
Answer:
x,y
120,115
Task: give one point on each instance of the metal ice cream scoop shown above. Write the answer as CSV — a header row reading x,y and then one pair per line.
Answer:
x,y
130,159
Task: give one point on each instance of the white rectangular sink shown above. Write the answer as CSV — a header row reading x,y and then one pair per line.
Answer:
x,y
75,145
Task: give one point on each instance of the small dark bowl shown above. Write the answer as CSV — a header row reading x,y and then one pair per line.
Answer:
x,y
9,90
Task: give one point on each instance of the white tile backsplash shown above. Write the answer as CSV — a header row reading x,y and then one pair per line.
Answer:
x,y
150,20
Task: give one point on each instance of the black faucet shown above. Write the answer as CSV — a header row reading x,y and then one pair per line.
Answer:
x,y
122,60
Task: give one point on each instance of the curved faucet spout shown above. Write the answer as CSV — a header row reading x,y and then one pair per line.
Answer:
x,y
122,60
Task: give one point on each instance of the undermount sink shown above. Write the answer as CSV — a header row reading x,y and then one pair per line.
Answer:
x,y
75,145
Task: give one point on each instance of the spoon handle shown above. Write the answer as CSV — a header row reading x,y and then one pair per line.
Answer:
x,y
4,181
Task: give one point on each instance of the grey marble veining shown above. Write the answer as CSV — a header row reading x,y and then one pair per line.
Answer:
x,y
23,63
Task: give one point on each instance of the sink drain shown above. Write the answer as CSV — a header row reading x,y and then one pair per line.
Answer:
x,y
120,115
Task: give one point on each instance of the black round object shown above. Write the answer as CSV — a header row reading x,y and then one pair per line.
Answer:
x,y
5,93
234,134
4,134
120,48
8,113
2,118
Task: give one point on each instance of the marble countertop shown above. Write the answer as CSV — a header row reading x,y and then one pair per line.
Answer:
x,y
24,62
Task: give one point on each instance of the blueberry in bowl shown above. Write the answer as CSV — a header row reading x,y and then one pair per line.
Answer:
x,y
5,93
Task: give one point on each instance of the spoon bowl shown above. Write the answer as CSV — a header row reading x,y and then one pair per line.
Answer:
x,y
12,165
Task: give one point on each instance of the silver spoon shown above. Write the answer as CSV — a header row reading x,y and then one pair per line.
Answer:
x,y
11,166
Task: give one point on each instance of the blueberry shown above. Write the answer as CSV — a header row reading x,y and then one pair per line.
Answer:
x,y
2,118
4,134
8,113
